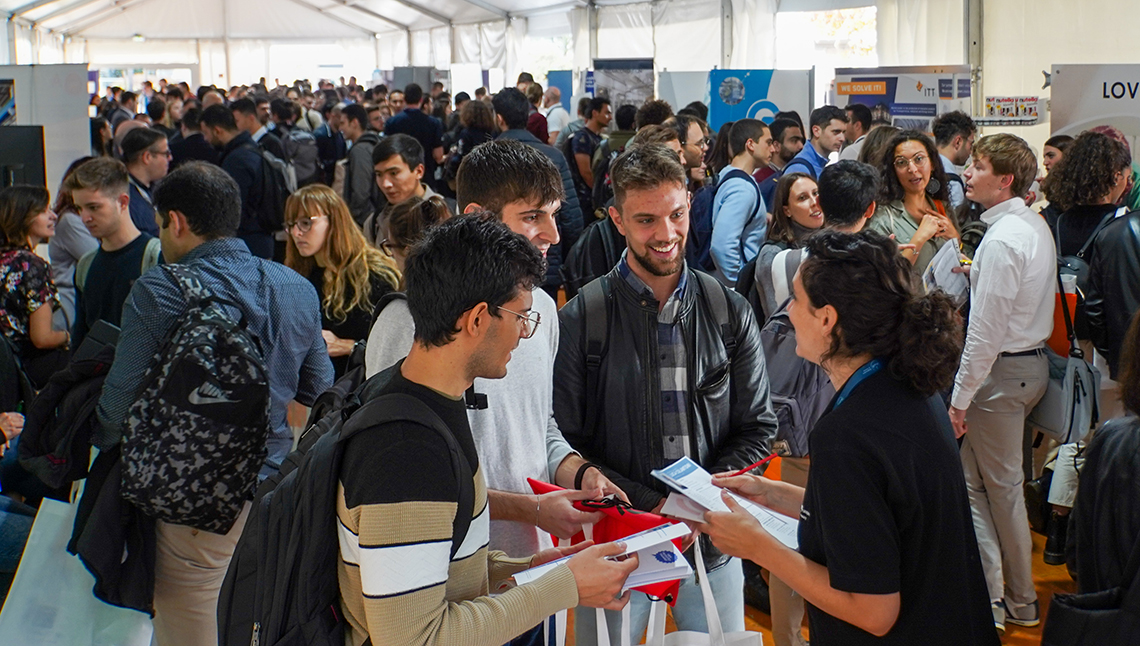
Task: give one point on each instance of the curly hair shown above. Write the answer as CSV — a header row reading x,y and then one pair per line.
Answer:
x,y
880,309
891,188
1086,173
351,260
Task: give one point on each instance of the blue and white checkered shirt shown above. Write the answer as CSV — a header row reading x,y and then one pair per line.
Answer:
x,y
673,362
281,308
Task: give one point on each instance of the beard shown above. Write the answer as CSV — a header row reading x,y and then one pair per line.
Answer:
x,y
658,267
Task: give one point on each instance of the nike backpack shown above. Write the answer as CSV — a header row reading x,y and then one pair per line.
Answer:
x,y
194,440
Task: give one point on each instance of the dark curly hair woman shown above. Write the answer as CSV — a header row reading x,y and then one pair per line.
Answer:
x,y
898,562
1086,186
915,203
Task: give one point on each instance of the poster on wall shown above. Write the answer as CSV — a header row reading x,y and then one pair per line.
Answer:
x,y
622,80
905,97
1011,111
7,102
757,94
1084,96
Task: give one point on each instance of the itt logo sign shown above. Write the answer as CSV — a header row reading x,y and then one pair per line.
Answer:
x,y
1119,90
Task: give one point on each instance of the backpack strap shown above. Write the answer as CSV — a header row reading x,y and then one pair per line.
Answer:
x,y
714,295
400,407
383,302
151,255
739,174
594,297
83,267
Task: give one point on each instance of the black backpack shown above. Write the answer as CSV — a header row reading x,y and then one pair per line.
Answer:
x,y
276,186
596,252
194,439
698,250
281,587
18,392
56,443
800,389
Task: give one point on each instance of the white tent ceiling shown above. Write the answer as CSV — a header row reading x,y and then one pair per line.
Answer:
x,y
262,19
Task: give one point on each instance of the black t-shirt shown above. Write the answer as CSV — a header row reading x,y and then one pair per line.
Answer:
x,y
109,280
886,511
357,323
406,462
425,128
1077,226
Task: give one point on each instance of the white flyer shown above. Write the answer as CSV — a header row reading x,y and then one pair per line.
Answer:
x,y
640,542
940,274
693,482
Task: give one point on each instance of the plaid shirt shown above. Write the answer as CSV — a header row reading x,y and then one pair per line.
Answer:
x,y
674,373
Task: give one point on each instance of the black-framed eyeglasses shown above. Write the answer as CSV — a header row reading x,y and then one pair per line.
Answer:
x,y
530,321
304,225
389,247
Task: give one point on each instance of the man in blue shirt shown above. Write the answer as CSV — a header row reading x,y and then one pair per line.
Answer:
x,y
739,216
828,134
199,211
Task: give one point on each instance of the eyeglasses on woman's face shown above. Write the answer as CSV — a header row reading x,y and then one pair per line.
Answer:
x,y
391,248
304,225
919,161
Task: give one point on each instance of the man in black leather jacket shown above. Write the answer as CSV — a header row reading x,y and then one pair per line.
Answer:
x,y
1114,286
673,378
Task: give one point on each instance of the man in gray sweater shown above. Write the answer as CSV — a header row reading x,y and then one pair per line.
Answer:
x,y
361,192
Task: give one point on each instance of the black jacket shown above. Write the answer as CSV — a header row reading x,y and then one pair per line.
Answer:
x,y
1114,286
1105,521
192,148
731,418
569,218
243,163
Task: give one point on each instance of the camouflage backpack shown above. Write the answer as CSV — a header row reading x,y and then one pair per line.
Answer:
x,y
194,440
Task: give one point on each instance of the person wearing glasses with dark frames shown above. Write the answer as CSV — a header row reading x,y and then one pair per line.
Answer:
x,y
326,246
147,155
512,419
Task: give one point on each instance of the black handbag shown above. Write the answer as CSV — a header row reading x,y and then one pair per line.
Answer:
x,y
1106,618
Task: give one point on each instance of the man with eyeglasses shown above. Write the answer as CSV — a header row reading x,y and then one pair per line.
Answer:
x,y
147,154
694,145
828,134
512,418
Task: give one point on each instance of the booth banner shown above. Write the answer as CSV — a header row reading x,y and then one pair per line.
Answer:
x,y
906,97
682,88
564,81
1084,96
757,94
622,80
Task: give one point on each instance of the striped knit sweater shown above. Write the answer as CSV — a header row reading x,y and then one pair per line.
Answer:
x,y
396,503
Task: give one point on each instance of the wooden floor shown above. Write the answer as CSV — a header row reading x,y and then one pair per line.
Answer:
x,y
1049,579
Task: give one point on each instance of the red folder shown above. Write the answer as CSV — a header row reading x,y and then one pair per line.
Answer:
x,y
616,524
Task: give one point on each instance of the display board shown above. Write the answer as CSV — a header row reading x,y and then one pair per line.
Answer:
x,y
757,94
682,88
622,80
564,81
55,97
907,97
1084,96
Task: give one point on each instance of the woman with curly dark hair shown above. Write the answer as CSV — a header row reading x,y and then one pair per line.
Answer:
x,y
915,204
1086,186
898,562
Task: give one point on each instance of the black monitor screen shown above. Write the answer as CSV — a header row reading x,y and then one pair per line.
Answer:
x,y
22,156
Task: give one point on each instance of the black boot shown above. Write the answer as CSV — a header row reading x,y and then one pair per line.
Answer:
x,y
1055,542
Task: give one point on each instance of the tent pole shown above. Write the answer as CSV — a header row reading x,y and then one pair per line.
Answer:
x,y
226,41
11,42
592,25
726,34
974,50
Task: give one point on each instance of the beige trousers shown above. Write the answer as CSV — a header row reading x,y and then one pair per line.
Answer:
x,y
190,566
787,604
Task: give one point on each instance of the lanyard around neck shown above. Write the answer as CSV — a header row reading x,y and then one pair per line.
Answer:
x,y
868,369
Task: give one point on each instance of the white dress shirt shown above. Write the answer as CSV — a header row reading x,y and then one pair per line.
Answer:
x,y
260,133
1013,283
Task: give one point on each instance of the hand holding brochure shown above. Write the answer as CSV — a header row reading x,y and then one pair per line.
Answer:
x,y
695,484
940,274
655,552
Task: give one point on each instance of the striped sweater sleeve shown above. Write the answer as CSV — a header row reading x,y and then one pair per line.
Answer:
x,y
399,583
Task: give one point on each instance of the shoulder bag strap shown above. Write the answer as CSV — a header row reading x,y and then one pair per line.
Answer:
x,y
1092,238
596,311
150,255
83,267
714,295
1074,349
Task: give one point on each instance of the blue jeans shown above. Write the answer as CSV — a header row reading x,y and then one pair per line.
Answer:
x,y
727,584
15,525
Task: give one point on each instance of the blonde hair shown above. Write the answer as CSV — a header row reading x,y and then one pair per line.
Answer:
x,y
351,260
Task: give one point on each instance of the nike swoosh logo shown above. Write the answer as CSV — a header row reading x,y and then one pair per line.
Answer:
x,y
199,399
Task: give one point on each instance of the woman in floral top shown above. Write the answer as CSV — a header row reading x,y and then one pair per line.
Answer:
x,y
25,283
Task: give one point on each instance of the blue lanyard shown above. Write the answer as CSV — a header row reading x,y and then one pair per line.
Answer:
x,y
868,369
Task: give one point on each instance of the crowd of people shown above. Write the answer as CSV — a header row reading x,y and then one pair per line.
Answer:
x,y
579,303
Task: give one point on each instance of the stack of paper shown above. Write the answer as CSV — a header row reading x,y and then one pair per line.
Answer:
x,y
658,559
696,494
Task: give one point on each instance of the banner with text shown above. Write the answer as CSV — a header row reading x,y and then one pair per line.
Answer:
x,y
1084,96
906,97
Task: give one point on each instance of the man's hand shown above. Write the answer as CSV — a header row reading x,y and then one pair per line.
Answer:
x,y
557,515
958,420
594,480
555,553
599,579
11,424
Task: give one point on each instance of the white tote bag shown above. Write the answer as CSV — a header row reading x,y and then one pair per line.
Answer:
x,y
51,602
655,636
